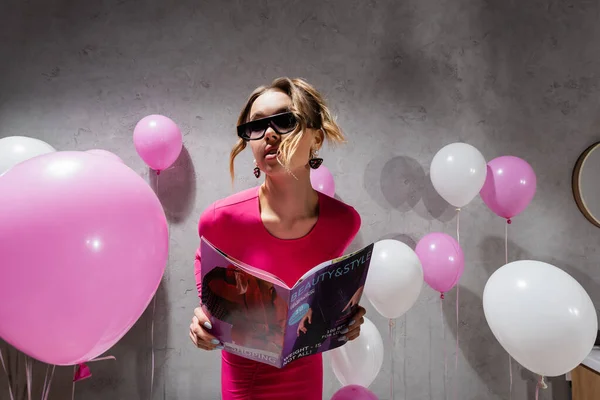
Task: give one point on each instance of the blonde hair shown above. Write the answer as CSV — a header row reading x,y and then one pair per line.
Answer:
x,y
310,110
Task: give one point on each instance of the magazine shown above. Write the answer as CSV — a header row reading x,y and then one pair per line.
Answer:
x,y
257,316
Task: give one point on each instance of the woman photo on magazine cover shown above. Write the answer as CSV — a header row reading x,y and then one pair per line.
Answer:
x,y
249,304
282,226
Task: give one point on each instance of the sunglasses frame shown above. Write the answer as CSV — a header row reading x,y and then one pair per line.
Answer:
x,y
241,129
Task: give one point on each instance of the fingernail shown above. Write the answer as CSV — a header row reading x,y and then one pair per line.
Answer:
x,y
344,331
207,325
343,338
215,341
219,347
352,322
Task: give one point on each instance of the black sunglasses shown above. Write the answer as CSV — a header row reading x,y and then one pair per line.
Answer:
x,y
281,123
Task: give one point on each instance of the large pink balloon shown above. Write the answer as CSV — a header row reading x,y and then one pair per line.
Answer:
x,y
322,180
354,392
105,153
442,260
83,245
158,141
509,187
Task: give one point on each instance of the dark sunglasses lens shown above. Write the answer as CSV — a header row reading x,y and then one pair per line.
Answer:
x,y
252,130
284,123
256,129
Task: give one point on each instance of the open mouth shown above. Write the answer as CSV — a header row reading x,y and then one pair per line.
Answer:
x,y
271,154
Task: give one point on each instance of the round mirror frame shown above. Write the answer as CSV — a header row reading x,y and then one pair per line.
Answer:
x,y
576,184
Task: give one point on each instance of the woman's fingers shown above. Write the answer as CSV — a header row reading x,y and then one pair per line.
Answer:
x,y
201,338
202,318
198,343
353,334
353,329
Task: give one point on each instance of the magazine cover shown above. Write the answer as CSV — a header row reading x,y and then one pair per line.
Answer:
x,y
257,316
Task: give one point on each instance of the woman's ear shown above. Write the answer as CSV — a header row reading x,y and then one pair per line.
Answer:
x,y
319,138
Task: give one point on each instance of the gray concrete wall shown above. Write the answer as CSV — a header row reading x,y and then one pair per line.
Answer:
x,y
404,77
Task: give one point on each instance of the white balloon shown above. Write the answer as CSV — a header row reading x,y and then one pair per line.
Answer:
x,y
359,361
16,149
395,278
458,173
541,316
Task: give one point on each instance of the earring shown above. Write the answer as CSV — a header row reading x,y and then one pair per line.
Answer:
x,y
256,170
315,162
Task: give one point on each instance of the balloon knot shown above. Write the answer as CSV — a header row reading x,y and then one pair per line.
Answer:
x,y
82,371
158,172
509,221
442,296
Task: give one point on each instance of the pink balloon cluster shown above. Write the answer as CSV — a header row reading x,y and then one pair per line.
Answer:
x,y
84,244
507,186
354,392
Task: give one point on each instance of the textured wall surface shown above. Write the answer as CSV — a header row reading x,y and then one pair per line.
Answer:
x,y
404,78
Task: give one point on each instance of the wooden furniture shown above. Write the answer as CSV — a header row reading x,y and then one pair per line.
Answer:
x,y
585,183
585,383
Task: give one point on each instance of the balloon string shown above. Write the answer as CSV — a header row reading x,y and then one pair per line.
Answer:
x,y
152,321
540,385
28,371
45,381
457,315
458,225
17,382
456,350
152,345
444,341
392,331
10,391
510,372
101,359
506,244
47,392
73,389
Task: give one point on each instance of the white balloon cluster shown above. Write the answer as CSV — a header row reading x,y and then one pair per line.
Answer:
x,y
541,316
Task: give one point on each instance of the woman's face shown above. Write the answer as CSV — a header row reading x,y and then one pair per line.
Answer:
x,y
270,103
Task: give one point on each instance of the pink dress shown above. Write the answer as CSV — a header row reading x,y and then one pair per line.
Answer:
x,y
234,225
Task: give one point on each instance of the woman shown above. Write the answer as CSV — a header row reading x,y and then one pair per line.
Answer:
x,y
283,226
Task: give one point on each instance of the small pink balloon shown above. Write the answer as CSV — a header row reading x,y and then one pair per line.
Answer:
x,y
105,153
354,392
322,180
158,141
509,187
442,260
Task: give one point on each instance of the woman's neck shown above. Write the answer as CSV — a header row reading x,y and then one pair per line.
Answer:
x,y
288,198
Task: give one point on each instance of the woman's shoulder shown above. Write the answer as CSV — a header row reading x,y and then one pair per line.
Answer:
x,y
225,208
341,213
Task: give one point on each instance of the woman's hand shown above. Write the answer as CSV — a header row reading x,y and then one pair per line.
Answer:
x,y
199,332
353,329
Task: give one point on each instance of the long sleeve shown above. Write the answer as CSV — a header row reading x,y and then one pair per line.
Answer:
x,y
198,272
205,226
